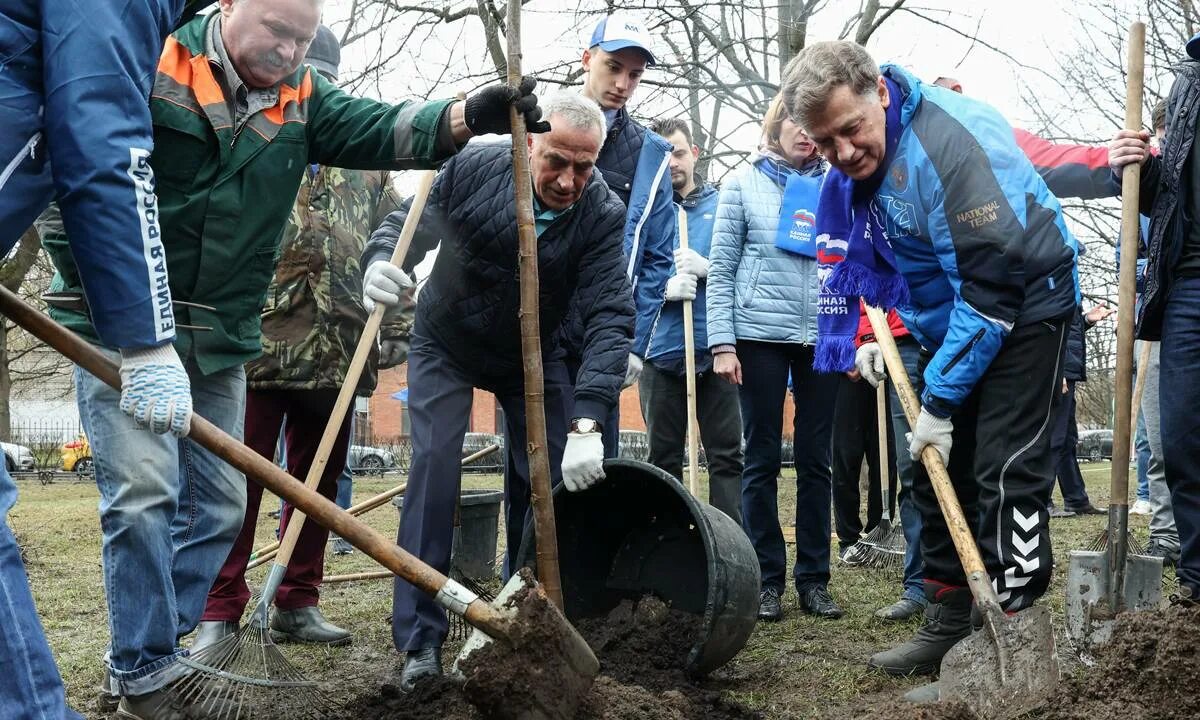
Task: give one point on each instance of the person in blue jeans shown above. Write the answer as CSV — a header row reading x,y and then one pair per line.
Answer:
x,y
762,325
1170,307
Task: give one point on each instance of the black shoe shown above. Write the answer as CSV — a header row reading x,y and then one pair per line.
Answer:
x,y
307,625
420,665
816,600
770,608
947,620
341,546
1157,548
1087,509
1055,512
901,610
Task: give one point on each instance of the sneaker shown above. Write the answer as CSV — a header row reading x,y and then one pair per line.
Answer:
x,y
770,607
341,546
852,555
1141,507
1157,548
816,600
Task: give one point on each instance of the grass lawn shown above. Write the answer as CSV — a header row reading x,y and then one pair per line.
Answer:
x,y
798,668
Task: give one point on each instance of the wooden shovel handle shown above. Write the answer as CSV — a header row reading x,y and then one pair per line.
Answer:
x,y
257,468
689,354
960,531
346,395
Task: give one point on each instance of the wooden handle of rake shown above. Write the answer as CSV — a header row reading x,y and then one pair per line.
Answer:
x,y
346,395
689,354
1139,387
540,493
269,475
960,531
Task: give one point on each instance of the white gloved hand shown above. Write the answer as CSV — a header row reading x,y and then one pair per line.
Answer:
x,y
681,287
632,371
384,282
583,461
690,262
868,360
155,390
931,430
392,352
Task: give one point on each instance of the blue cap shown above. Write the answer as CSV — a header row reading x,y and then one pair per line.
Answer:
x,y
1193,47
617,32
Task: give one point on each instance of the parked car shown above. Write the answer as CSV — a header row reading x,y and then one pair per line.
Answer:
x,y
473,442
77,455
1094,445
367,460
17,457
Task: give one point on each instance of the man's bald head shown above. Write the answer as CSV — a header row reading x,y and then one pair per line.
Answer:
x,y
950,84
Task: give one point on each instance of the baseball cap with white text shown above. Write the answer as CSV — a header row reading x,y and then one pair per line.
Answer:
x,y
617,32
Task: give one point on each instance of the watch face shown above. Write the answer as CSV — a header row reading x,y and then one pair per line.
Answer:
x,y
585,425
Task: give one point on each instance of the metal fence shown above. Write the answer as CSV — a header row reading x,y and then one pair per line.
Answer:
x,y
44,439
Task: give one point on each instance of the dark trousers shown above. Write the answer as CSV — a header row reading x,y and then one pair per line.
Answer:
x,y
307,412
765,370
855,435
1179,398
1002,469
440,392
1062,447
663,397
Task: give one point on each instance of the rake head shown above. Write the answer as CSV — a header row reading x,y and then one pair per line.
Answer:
x,y
1100,543
883,548
245,676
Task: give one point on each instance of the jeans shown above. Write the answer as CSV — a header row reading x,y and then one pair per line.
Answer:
x,y
910,516
169,512
1162,514
856,430
1141,445
1062,446
765,369
1178,397
663,396
345,481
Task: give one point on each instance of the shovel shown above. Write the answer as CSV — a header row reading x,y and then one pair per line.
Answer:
x,y
553,650
1102,584
1010,667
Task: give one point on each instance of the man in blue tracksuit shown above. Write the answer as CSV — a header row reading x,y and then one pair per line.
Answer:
x,y
990,272
74,93
663,384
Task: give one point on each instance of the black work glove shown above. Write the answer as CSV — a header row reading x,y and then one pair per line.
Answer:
x,y
487,110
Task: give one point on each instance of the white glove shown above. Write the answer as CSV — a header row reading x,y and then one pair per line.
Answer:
x,y
931,430
868,360
632,371
583,461
384,282
392,352
155,390
681,287
690,262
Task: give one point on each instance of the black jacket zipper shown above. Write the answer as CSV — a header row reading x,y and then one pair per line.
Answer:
x,y
958,356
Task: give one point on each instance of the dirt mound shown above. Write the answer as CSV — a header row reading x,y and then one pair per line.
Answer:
x,y
642,648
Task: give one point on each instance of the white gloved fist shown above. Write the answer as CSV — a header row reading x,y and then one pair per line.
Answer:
x,y
868,360
632,371
155,390
690,262
931,430
384,282
583,460
681,287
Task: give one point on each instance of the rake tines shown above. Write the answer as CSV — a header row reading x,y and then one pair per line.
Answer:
x,y
883,548
1100,543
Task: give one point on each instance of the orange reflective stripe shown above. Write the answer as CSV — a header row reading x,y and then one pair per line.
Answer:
x,y
287,96
192,71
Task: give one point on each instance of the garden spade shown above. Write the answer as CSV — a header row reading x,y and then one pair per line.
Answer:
x,y
1009,667
1101,584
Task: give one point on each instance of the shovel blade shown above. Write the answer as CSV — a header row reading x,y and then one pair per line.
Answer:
x,y
1089,617
542,671
1004,680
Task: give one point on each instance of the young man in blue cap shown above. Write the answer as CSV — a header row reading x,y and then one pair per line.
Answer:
x,y
1170,309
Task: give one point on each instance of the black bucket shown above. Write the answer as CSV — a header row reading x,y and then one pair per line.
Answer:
x,y
474,552
640,532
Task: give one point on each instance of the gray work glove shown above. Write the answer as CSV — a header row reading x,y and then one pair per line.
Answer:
x,y
868,360
931,430
632,371
383,282
681,287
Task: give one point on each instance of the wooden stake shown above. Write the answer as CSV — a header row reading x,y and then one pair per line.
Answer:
x,y
689,354
540,495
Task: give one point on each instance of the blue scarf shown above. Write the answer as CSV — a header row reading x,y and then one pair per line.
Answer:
x,y
854,258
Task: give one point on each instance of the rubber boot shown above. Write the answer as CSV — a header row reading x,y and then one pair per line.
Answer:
x,y
947,620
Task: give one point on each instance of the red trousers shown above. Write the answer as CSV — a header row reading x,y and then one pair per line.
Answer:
x,y
306,412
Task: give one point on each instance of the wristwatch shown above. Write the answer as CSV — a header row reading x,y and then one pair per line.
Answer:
x,y
584,425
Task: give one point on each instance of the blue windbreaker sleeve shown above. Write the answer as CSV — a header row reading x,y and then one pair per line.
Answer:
x,y
650,236
724,257
98,68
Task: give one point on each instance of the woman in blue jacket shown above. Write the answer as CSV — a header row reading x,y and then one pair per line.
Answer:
x,y
762,329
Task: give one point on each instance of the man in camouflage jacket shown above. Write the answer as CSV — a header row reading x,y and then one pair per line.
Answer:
x,y
311,323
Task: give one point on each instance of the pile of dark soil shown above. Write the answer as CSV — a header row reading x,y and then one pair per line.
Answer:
x,y
642,648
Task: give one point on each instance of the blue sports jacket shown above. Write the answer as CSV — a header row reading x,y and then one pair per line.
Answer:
x,y
94,128
666,335
977,235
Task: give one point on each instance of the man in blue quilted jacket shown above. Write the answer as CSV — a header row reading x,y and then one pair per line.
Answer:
x,y
467,335
942,213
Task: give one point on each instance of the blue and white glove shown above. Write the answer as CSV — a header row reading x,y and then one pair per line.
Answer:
x,y
155,390
931,430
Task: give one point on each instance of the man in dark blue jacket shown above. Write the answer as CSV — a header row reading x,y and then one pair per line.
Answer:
x,y
76,119
1170,309
959,213
467,335
662,388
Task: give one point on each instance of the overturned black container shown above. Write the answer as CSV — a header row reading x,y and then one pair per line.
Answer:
x,y
640,532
